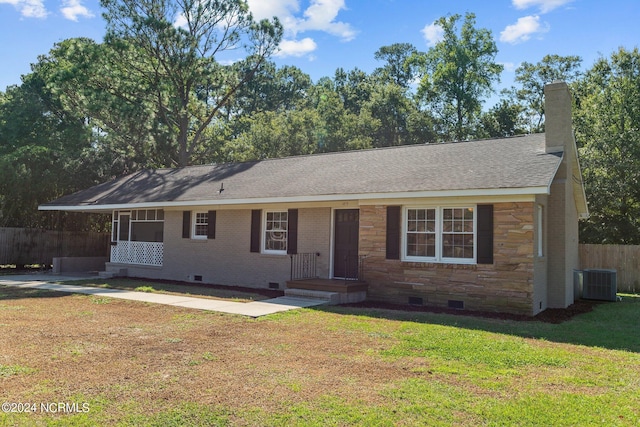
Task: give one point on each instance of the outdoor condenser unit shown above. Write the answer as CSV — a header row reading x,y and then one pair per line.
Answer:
x,y
599,284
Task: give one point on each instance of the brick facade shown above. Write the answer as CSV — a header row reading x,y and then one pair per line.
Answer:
x,y
507,285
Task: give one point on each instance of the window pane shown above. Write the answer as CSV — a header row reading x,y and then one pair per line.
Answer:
x,y
276,231
457,245
160,215
457,233
420,236
147,231
201,226
151,215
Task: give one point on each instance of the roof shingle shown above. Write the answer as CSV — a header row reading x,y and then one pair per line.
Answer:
x,y
507,163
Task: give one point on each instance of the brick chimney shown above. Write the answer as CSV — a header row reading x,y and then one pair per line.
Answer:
x,y
557,117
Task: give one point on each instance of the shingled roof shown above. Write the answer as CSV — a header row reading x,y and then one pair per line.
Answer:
x,y
517,165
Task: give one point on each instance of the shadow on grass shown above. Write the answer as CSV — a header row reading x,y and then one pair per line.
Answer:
x,y
13,293
611,325
182,288
234,293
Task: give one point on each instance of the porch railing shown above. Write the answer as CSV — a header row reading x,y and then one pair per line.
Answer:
x,y
140,253
353,267
304,266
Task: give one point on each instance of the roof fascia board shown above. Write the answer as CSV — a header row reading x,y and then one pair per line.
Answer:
x,y
306,199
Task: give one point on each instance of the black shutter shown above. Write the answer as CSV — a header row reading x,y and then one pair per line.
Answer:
x,y
485,234
211,225
292,231
256,214
186,224
393,232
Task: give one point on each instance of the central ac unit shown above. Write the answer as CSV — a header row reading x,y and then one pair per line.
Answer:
x,y
599,285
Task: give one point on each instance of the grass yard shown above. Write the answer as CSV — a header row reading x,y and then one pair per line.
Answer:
x,y
117,362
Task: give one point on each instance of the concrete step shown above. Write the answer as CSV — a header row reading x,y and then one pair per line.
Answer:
x,y
331,298
106,274
112,271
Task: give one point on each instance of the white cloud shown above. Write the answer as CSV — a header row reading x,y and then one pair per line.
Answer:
x,y
509,66
181,21
266,9
522,30
29,8
544,5
72,9
296,47
320,15
432,33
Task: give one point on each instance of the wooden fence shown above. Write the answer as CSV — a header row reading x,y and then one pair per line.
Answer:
x,y
23,246
625,259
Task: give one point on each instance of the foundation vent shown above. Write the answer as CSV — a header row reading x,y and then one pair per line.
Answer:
x,y
274,285
415,301
452,303
197,278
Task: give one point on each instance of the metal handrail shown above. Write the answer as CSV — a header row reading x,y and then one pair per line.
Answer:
x,y
354,272
304,265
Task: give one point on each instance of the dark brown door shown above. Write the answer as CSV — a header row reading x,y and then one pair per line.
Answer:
x,y
345,238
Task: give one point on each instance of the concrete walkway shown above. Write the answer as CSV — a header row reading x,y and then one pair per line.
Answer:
x,y
252,309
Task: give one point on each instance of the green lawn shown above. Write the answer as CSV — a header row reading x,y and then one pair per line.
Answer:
x,y
332,366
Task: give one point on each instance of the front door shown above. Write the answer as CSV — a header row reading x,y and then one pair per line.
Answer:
x,y
345,238
120,245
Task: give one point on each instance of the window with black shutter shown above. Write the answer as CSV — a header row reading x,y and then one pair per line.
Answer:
x,y
393,232
186,224
485,234
256,215
292,235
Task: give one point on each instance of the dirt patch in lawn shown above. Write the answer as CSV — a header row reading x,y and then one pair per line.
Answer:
x,y
65,347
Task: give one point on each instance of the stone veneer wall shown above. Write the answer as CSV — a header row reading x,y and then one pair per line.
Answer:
x,y
506,286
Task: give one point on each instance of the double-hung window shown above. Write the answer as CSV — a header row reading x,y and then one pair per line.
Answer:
x,y
440,234
276,227
421,233
200,225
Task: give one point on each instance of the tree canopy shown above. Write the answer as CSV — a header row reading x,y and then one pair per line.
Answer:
x,y
458,73
171,50
159,91
608,130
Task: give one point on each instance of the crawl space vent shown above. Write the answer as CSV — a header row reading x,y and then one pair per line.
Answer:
x,y
415,301
452,303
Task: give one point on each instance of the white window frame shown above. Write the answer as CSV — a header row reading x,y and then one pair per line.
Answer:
x,y
195,224
265,215
438,258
